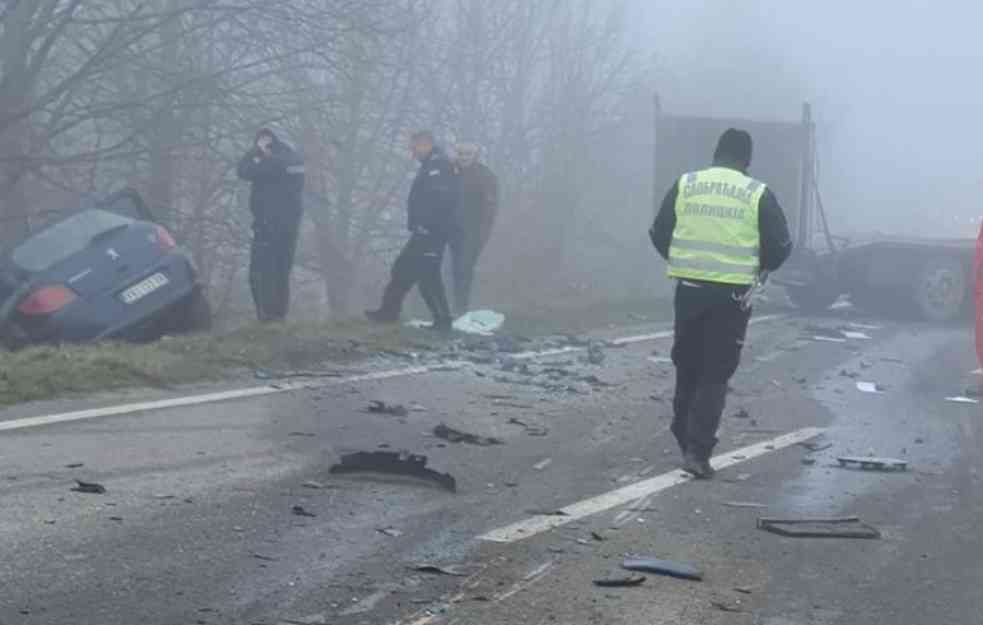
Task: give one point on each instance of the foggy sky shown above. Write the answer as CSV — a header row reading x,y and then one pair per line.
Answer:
x,y
896,89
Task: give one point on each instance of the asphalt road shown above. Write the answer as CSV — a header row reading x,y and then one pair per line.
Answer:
x,y
199,520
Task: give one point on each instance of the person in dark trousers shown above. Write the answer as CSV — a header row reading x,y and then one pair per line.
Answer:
x,y
477,208
719,230
430,208
276,172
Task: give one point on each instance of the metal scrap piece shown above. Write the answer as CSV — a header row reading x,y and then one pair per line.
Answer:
x,y
873,464
452,435
845,527
679,570
91,488
381,407
394,463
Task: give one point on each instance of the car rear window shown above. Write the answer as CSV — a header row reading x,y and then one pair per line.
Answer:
x,y
56,243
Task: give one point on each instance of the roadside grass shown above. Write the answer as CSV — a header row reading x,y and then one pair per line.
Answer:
x,y
50,372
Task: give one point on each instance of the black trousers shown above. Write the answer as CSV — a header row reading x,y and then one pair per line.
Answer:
x,y
465,250
419,263
710,327
271,261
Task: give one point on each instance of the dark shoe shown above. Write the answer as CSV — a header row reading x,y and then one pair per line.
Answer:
x,y
381,316
697,467
443,326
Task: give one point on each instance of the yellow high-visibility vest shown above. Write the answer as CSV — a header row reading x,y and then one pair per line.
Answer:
x,y
716,238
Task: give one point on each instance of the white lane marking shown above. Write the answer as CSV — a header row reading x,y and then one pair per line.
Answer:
x,y
286,387
639,490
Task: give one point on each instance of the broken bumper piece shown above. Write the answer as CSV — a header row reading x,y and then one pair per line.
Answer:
x,y
393,463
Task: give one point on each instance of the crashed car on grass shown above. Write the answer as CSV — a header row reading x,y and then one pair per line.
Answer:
x,y
108,271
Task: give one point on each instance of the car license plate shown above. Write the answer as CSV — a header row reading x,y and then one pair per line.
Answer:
x,y
143,288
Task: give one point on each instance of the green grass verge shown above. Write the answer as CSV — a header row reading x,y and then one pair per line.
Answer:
x,y
47,372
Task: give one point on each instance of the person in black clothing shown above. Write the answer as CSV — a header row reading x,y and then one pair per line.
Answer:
x,y
276,172
477,208
710,321
432,200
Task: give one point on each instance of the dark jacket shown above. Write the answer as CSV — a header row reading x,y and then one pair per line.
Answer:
x,y
277,183
477,205
433,196
776,243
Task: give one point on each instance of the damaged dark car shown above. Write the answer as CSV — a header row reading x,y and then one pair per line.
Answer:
x,y
107,271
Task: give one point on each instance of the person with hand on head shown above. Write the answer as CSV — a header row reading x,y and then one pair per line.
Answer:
x,y
276,172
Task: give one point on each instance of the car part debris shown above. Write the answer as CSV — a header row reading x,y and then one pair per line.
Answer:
x,y
303,434
90,488
598,537
620,582
679,570
531,430
873,463
742,414
744,590
394,463
452,435
844,527
436,569
542,464
480,322
809,461
393,410
301,511
814,447
959,399
744,504
850,334
828,339
869,387
389,531
313,484
726,607
260,556
536,512
75,465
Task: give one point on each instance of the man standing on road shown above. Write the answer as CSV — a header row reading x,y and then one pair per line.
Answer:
x,y
431,205
477,209
276,172
720,230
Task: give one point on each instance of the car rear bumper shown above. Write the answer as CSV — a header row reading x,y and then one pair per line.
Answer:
x,y
107,316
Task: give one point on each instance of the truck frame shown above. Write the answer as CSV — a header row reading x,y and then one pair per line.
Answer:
x,y
930,279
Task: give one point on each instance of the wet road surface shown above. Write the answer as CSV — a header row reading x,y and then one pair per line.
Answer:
x,y
199,521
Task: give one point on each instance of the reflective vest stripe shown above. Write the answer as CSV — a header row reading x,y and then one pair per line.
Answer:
x,y
718,248
715,266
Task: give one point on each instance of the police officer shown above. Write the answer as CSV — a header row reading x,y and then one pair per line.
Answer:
x,y
719,229
276,172
431,206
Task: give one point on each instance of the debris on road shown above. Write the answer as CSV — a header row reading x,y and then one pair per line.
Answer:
x,y
598,537
303,434
620,582
726,607
742,414
447,433
595,353
959,399
393,463
75,465
856,335
809,461
744,590
873,463
542,464
301,511
744,504
312,484
547,513
828,339
260,556
435,569
679,570
845,527
266,374
869,387
389,531
480,322
393,410
814,446
531,430
90,488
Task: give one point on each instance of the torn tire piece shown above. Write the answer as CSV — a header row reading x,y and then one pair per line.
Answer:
x,y
393,463
679,570
620,582
452,435
90,488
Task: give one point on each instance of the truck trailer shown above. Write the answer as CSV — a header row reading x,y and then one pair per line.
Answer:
x,y
930,279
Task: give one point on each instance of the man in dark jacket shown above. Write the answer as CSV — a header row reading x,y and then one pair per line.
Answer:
x,y
431,204
720,230
276,172
477,208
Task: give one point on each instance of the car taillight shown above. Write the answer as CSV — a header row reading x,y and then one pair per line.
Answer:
x,y
165,240
46,300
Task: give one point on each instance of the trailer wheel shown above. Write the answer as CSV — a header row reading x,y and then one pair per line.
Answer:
x,y
940,289
812,299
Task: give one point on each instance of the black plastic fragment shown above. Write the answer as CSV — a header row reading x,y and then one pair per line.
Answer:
x,y
394,463
680,570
